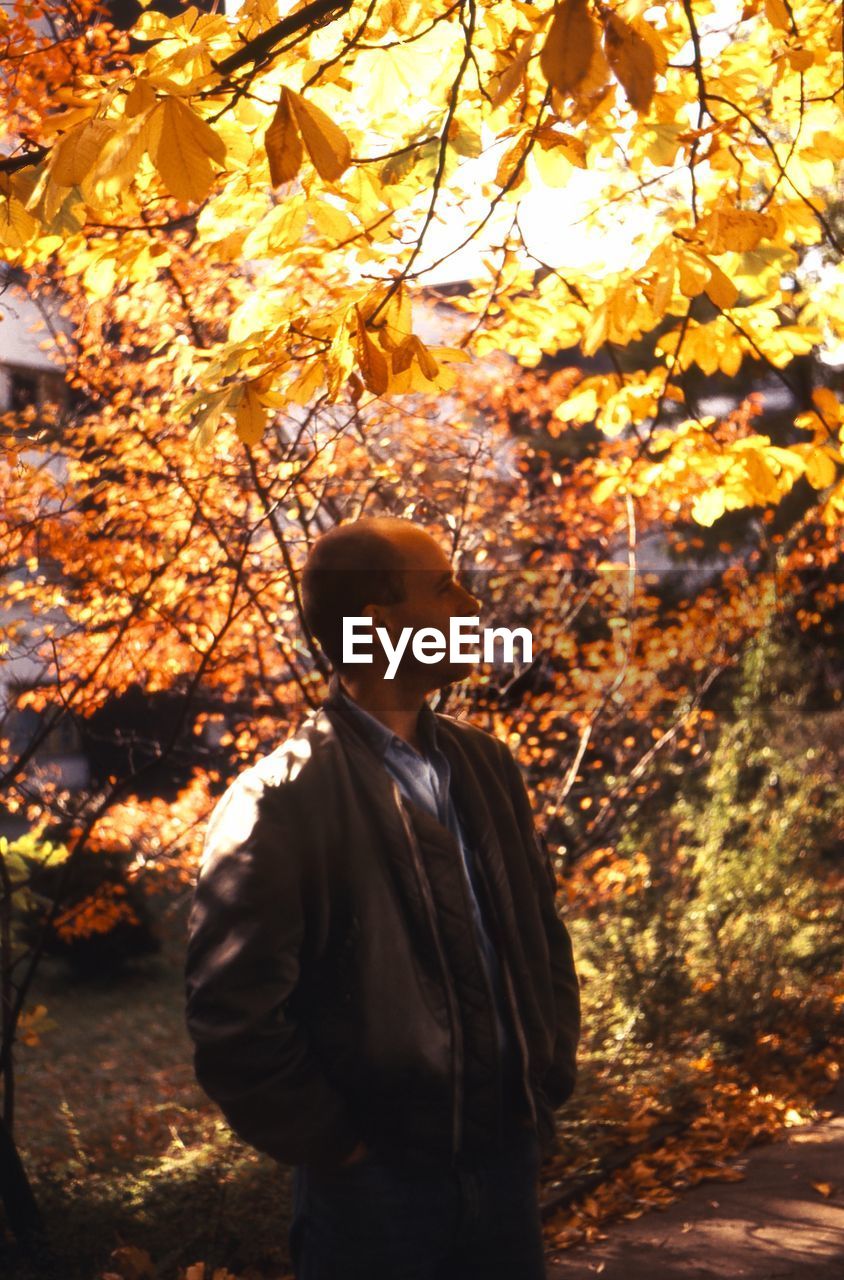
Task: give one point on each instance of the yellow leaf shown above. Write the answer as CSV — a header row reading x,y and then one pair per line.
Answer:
x,y
707,507
694,273
833,509
667,140
827,404
303,388
828,142
283,143
720,288
63,121
250,416
582,406
140,97
99,278
402,356
569,45
552,167
632,60
823,1188
121,156
75,154
280,228
327,145
663,290
605,488
596,330
17,227
821,468
372,361
556,143
450,355
396,320
726,228
426,361
800,59
787,461
652,37
763,481
331,221
205,422
185,148
417,380
152,26
510,162
810,421
508,81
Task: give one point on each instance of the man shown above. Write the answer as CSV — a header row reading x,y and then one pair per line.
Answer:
x,y
380,991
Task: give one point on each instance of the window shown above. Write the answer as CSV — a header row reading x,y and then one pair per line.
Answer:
x,y
22,724
23,390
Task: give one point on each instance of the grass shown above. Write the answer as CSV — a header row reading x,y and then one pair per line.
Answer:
x,y
122,1146
124,1149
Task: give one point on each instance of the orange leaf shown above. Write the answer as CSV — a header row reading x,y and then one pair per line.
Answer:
x,y
250,416
283,144
632,60
373,362
327,145
569,45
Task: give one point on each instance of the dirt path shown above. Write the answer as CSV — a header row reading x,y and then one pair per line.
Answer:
x,y
775,1225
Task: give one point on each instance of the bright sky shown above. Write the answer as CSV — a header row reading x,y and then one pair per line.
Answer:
x,y
549,217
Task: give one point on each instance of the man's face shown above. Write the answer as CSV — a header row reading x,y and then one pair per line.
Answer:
x,y
433,598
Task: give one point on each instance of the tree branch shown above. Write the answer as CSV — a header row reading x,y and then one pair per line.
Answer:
x,y
262,46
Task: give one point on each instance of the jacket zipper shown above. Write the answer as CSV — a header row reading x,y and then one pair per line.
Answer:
x,y
492,1003
456,1033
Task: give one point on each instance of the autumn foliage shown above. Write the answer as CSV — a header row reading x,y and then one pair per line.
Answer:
x,y
227,222
316,151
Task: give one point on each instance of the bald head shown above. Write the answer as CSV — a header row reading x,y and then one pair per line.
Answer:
x,y
351,566
397,574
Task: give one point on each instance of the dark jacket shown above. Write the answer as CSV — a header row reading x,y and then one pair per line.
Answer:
x,y
335,988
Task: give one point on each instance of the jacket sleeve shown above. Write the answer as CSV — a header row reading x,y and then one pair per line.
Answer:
x,y
558,1084
242,965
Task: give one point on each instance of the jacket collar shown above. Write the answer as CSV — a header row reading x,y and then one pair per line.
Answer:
x,y
468,793
376,734
341,712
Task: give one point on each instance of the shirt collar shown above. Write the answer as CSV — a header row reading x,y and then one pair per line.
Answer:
x,y
379,735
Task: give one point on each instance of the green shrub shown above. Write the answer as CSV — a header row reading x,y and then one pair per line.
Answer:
x,y
103,918
731,907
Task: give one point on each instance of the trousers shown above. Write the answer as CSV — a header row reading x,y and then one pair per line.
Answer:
x,y
379,1220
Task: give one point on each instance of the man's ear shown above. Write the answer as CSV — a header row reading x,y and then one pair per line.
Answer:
x,y
380,619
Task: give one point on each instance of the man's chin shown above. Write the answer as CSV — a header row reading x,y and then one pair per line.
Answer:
x,y
431,677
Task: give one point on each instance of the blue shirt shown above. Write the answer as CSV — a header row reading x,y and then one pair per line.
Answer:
x,y
426,781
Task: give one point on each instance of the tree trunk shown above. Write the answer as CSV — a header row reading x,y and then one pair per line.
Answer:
x,y
22,1213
